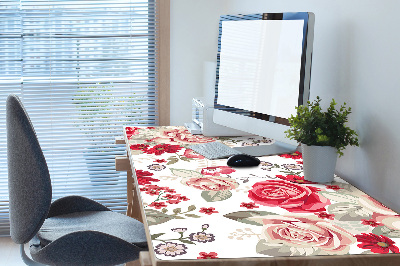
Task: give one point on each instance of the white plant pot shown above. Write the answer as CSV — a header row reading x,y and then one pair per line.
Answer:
x,y
319,163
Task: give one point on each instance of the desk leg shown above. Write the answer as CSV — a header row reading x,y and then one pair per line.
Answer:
x,y
132,198
144,260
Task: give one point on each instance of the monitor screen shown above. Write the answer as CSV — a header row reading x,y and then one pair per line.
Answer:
x,y
260,63
263,71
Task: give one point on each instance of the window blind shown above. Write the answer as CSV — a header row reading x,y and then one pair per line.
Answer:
x,y
83,69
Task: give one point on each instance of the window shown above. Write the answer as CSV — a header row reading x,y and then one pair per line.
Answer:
x,y
83,69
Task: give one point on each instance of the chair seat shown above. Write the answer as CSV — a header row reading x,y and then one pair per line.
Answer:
x,y
108,222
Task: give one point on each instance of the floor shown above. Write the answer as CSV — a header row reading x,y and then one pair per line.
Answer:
x,y
9,253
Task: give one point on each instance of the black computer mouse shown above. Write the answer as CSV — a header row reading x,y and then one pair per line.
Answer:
x,y
241,160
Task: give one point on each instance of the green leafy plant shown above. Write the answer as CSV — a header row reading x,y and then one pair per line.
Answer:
x,y
312,126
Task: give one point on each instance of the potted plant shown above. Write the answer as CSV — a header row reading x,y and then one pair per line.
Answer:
x,y
323,135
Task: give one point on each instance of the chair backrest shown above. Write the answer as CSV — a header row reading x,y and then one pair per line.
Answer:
x,y
29,183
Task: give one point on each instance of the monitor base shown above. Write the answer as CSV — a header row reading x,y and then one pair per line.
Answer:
x,y
265,150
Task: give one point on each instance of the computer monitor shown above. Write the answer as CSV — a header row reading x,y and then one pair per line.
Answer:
x,y
263,73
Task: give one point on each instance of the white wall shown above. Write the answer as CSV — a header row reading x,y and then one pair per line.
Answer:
x,y
355,60
194,41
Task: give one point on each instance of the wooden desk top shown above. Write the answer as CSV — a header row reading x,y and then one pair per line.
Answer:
x,y
199,209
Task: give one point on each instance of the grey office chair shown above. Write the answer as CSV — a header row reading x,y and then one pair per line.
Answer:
x,y
70,231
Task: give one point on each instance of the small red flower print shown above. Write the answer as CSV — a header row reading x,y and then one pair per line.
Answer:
x,y
160,161
158,205
208,211
180,197
377,244
169,196
154,187
139,147
325,215
249,205
163,148
295,179
130,131
371,222
152,192
151,128
173,201
296,155
299,162
205,255
334,187
144,177
217,170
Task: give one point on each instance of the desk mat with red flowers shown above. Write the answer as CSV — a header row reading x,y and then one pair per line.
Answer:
x,y
202,209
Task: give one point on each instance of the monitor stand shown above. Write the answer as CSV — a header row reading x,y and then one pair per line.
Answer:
x,y
264,150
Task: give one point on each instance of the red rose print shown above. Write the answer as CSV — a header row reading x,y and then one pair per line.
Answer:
x,y
377,244
299,162
208,211
160,161
204,255
249,205
290,196
295,179
217,170
141,147
371,222
162,148
296,155
158,205
325,215
144,177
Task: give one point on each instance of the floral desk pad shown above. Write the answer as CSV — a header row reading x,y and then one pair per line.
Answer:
x,y
202,209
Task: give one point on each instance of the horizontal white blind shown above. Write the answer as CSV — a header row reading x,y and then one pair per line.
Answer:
x,y
83,69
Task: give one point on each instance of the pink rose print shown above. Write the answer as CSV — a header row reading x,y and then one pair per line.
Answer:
x,y
180,136
290,196
211,183
192,154
217,170
305,233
